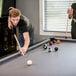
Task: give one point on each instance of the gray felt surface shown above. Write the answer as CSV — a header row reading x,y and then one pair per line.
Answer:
x,y
60,63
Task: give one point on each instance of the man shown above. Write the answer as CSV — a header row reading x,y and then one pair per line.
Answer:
x,y
72,15
18,24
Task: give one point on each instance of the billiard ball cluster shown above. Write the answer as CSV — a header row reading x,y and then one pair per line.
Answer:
x,y
51,42
49,49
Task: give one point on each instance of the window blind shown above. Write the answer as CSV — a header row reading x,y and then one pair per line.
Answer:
x,y
55,15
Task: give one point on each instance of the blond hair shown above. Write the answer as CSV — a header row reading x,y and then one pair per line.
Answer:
x,y
14,12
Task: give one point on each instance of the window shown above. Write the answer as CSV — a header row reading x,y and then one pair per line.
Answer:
x,y
53,17
0,8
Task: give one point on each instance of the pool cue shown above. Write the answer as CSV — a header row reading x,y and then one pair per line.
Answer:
x,y
18,42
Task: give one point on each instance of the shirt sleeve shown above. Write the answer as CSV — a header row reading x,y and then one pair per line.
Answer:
x,y
23,27
73,5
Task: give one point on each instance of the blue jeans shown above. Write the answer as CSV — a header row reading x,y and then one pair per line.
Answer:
x,y
21,40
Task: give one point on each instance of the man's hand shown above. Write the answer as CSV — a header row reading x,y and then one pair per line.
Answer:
x,y
22,50
70,13
10,26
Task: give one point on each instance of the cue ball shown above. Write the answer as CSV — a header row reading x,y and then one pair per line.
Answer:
x,y
29,62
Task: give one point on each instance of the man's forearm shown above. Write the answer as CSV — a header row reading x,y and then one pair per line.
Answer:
x,y
26,40
26,43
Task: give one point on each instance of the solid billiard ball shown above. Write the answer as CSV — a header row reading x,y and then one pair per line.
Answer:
x,y
50,43
29,62
56,48
58,42
52,38
53,41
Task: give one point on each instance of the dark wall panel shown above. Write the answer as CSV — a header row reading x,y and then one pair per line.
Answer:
x,y
6,5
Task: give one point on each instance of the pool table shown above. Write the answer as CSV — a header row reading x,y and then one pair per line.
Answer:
x,y
59,63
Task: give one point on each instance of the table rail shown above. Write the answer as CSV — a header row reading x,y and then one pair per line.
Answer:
x,y
13,56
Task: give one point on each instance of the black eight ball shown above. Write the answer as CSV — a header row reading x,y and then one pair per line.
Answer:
x,y
56,48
